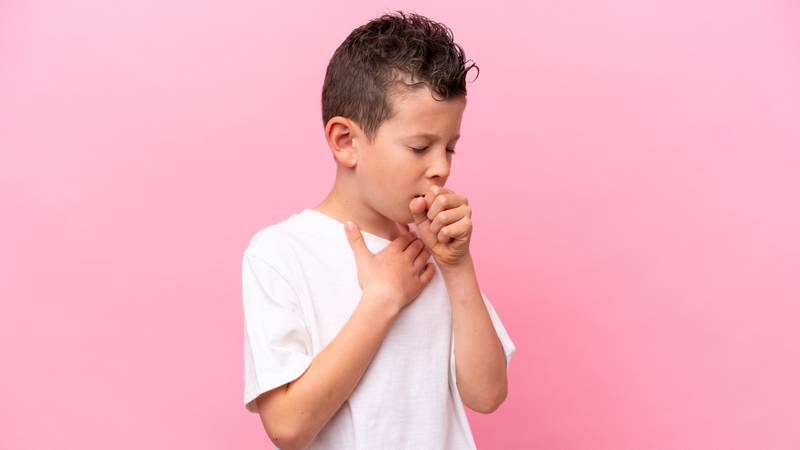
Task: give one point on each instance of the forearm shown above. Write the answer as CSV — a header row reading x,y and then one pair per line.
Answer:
x,y
480,359
334,373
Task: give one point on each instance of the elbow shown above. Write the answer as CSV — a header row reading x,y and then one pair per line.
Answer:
x,y
282,427
293,438
490,407
284,436
487,401
286,440
491,403
280,437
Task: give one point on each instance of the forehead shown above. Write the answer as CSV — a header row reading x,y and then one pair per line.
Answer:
x,y
417,110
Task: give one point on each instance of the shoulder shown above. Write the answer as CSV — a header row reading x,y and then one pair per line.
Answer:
x,y
273,244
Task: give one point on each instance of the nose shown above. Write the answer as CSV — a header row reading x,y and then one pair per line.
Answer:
x,y
440,168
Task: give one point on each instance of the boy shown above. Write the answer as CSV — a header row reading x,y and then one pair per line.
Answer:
x,y
374,336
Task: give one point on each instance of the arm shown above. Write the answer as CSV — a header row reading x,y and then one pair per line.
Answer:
x,y
480,359
294,413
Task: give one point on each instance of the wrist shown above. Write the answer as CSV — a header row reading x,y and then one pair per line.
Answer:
x,y
379,306
464,264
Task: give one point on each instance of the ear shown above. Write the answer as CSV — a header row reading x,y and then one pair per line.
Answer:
x,y
341,134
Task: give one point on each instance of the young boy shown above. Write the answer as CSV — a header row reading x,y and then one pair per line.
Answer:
x,y
375,336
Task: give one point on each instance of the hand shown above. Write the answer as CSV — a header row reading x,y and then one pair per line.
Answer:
x,y
397,274
444,222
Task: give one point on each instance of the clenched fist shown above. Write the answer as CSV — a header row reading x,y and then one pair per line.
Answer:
x,y
444,223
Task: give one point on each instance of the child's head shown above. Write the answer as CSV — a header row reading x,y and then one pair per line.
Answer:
x,y
393,80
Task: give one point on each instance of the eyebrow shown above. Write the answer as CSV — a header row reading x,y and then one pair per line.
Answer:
x,y
432,136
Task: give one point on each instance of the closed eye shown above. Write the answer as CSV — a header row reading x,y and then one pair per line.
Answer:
x,y
421,150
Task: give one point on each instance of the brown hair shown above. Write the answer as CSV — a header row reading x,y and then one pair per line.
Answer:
x,y
376,58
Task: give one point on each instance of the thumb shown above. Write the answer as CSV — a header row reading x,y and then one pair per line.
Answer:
x,y
417,207
420,215
356,240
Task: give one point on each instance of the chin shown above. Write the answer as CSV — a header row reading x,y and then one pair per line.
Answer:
x,y
402,217
408,218
397,211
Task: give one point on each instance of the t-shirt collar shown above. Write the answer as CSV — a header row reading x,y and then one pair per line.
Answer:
x,y
328,221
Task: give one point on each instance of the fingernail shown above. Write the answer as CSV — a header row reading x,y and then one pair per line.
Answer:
x,y
348,226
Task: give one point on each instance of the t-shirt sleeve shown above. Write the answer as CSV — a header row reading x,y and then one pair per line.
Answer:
x,y
277,345
505,340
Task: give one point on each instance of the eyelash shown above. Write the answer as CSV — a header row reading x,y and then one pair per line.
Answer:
x,y
420,150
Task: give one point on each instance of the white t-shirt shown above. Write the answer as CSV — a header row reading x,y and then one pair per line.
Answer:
x,y
300,287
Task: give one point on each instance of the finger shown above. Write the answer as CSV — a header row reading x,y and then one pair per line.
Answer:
x,y
444,202
427,275
422,258
402,242
433,192
413,250
442,236
417,208
449,216
356,240
458,231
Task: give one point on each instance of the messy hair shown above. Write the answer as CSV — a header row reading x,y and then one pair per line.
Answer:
x,y
378,59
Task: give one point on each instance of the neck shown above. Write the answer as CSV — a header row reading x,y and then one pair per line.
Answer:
x,y
343,204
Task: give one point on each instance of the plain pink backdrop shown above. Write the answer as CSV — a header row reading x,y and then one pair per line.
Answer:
x,y
633,167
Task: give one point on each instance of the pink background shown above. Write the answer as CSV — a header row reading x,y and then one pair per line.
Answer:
x,y
634,170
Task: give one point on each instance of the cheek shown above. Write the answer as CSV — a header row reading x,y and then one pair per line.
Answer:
x,y
394,174
395,170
